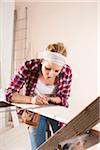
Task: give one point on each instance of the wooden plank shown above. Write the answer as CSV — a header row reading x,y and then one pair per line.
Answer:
x,y
56,112
83,141
83,122
59,113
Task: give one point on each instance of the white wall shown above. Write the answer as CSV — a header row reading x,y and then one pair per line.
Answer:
x,y
75,24
98,62
6,42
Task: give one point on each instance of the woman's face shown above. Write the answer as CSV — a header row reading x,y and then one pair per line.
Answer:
x,y
50,70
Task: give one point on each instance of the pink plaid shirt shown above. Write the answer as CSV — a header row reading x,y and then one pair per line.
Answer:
x,y
28,76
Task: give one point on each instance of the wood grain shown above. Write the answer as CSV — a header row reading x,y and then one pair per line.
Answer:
x,y
83,122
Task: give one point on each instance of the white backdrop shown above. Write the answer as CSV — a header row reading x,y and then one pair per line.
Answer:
x,y
73,23
6,42
76,25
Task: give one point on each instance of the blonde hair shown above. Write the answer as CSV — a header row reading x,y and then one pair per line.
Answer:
x,y
57,47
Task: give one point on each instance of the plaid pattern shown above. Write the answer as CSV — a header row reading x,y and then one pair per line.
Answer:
x,y
28,76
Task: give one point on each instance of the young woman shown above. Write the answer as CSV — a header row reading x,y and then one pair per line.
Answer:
x,y
51,76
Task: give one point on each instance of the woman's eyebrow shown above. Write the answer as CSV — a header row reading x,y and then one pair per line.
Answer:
x,y
48,68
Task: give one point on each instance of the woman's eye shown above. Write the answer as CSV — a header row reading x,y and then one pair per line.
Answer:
x,y
56,71
47,68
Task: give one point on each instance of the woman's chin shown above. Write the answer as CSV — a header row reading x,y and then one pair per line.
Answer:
x,y
47,77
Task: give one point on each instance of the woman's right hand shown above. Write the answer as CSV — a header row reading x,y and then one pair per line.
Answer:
x,y
39,100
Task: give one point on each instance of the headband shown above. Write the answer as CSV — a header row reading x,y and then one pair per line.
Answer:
x,y
54,57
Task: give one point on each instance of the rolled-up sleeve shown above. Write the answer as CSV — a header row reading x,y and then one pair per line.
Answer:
x,y
64,85
17,82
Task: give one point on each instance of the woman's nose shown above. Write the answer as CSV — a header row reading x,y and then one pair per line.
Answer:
x,y
51,74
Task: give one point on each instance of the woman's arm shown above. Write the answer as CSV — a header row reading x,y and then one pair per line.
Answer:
x,y
64,85
22,99
17,83
19,98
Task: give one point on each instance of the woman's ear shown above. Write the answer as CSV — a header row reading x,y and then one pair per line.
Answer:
x,y
43,61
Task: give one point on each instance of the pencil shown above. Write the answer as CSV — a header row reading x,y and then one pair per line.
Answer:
x,y
38,93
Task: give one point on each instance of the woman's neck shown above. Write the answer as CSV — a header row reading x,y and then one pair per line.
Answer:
x,y
50,81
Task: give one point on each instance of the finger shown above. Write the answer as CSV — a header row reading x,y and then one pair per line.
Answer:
x,y
51,100
45,102
44,97
39,102
48,99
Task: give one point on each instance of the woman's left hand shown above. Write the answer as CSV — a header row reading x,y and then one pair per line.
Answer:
x,y
55,100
